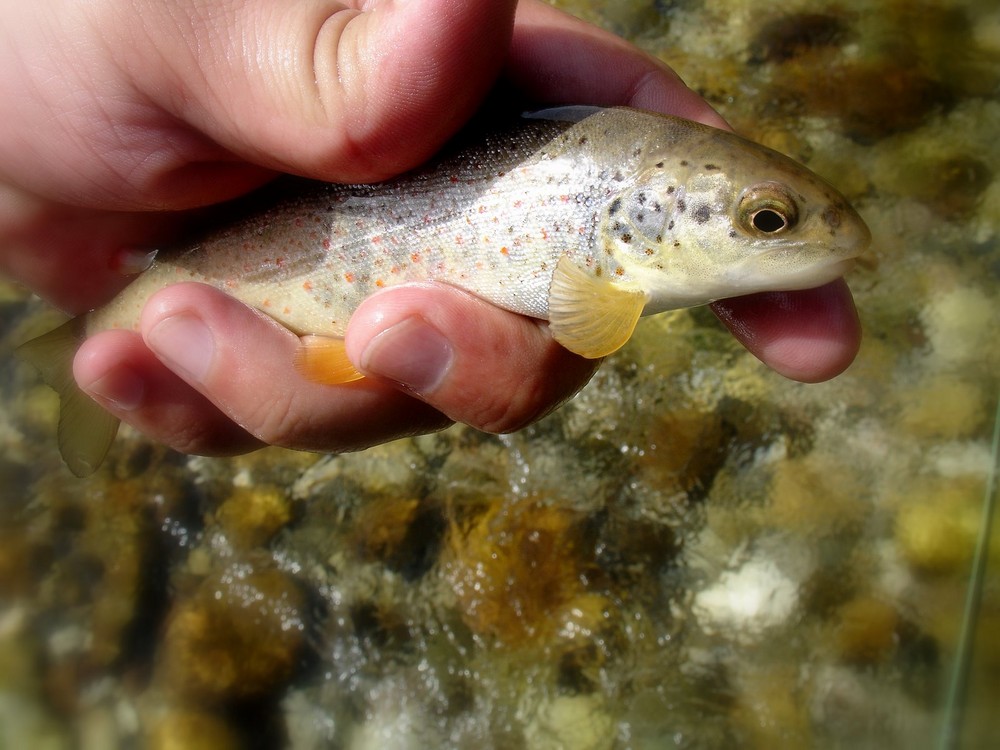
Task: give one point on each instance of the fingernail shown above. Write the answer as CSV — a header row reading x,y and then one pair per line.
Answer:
x,y
412,353
121,389
184,343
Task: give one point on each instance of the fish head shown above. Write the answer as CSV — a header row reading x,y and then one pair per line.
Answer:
x,y
750,220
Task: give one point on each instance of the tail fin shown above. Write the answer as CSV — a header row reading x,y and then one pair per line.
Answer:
x,y
86,430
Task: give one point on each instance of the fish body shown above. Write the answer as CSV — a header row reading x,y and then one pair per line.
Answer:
x,y
585,217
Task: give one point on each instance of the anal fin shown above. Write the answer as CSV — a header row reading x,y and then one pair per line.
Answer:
x,y
323,359
589,315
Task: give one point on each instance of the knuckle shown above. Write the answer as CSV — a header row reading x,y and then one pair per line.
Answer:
x,y
276,421
507,410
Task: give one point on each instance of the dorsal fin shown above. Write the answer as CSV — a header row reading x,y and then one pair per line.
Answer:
x,y
569,113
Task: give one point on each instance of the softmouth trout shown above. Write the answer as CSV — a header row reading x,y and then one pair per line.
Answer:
x,y
588,218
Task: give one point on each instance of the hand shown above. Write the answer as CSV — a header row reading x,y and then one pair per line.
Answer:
x,y
132,119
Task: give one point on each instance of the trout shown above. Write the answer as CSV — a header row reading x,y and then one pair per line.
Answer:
x,y
585,217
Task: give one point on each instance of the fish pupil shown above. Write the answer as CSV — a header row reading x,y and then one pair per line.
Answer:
x,y
769,221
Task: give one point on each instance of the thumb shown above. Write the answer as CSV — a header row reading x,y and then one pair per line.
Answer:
x,y
326,90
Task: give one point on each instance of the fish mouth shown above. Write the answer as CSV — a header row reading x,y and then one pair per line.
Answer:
x,y
820,274
783,270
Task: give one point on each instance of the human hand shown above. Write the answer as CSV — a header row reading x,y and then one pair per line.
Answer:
x,y
133,119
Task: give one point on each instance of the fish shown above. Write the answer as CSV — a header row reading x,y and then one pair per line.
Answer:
x,y
585,217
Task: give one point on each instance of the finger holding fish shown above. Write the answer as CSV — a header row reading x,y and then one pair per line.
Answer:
x,y
125,377
476,363
192,378
809,336
194,372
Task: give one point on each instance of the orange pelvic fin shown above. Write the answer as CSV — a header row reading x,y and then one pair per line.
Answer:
x,y
323,359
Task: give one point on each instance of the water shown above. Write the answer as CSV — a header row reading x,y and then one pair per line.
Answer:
x,y
693,553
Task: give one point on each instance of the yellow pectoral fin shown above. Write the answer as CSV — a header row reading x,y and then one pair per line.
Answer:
x,y
588,315
323,359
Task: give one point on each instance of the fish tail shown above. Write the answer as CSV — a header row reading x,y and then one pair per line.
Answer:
x,y
86,430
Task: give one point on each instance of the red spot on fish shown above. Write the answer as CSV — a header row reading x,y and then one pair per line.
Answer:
x,y
415,257
379,283
287,310
349,277
326,243
453,178
230,284
504,251
376,239
307,285
279,261
266,303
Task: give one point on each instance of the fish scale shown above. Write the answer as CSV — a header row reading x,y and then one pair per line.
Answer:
x,y
585,217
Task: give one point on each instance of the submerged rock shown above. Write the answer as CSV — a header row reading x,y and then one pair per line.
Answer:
x,y
240,636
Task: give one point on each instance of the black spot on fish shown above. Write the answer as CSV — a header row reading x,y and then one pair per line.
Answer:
x,y
684,162
670,189
711,167
702,213
681,205
657,207
641,197
582,141
677,243
640,217
732,233
637,151
615,205
659,239
670,225
626,238
659,165
649,251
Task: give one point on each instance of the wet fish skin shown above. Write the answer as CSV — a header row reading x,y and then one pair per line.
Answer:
x,y
496,217
585,217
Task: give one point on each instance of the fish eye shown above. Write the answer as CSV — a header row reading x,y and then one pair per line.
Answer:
x,y
767,209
